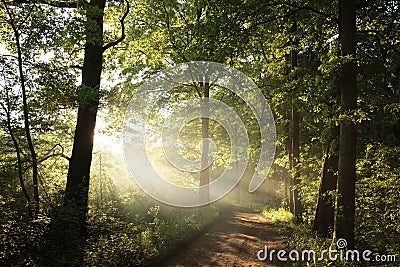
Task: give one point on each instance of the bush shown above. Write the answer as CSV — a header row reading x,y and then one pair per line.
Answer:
x,y
378,188
118,238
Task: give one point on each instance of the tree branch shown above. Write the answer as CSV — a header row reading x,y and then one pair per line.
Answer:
x,y
122,37
381,37
17,150
52,156
61,154
364,4
298,7
314,10
171,39
274,19
53,3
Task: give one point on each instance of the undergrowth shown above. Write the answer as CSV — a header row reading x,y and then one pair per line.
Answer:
x,y
300,237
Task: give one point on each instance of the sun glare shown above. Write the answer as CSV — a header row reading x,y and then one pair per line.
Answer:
x,y
104,141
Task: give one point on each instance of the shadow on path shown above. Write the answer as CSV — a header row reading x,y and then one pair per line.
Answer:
x,y
232,240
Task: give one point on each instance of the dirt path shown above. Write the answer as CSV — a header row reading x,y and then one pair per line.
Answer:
x,y
233,240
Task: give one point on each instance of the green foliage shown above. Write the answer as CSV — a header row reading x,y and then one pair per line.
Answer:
x,y
125,226
377,209
19,237
278,216
146,237
127,229
378,186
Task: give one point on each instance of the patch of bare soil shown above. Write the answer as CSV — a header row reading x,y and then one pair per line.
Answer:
x,y
233,240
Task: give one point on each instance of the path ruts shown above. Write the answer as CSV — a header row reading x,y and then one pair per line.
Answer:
x,y
233,240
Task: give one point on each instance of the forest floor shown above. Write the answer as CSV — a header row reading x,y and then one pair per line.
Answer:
x,y
232,240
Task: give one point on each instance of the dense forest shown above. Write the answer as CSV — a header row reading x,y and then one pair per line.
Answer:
x,y
329,71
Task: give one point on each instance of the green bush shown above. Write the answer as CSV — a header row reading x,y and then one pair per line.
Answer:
x,y
378,209
120,238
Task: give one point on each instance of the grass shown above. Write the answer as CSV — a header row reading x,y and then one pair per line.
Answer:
x,y
300,237
280,215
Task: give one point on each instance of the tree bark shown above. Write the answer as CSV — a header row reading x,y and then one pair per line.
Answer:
x,y
325,212
289,146
290,182
205,125
71,228
345,213
77,188
297,207
324,219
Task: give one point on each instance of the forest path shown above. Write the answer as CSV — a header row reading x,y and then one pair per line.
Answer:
x,y
232,240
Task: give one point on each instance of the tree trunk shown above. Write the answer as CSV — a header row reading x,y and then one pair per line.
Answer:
x,y
289,145
324,219
236,190
325,211
68,233
297,208
27,129
205,124
77,188
19,160
345,213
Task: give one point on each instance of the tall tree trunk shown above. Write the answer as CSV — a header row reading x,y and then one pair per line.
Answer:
x,y
77,188
205,125
67,235
70,228
289,145
19,160
325,212
297,208
237,188
345,213
324,219
27,129
28,136
289,148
